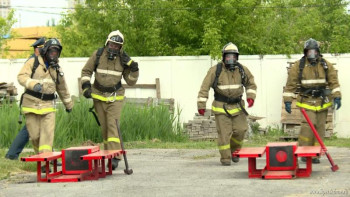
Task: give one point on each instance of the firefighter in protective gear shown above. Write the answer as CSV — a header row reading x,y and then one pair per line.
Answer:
x,y
317,82
107,92
38,101
228,79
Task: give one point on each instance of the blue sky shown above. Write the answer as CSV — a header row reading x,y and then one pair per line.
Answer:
x,y
28,16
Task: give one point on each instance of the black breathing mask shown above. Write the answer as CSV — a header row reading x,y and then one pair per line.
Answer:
x,y
113,53
52,57
312,56
230,61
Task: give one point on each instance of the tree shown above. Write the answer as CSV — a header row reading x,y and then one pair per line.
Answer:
x,y
202,27
5,26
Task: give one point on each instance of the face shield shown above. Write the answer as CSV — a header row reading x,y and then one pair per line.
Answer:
x,y
230,61
113,50
312,55
52,55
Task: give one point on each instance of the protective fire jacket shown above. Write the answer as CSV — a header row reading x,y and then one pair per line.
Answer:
x,y
313,78
45,77
108,74
229,85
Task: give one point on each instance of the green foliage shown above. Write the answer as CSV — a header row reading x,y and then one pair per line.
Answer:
x,y
202,27
254,127
137,123
153,122
5,26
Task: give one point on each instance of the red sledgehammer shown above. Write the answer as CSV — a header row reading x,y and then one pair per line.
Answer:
x,y
334,166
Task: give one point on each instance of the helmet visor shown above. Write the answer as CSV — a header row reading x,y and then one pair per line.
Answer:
x,y
116,39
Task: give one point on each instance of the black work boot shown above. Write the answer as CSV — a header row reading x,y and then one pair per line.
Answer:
x,y
58,163
316,160
115,162
303,159
43,169
235,159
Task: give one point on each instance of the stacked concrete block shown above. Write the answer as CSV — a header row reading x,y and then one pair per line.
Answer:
x,y
8,92
201,127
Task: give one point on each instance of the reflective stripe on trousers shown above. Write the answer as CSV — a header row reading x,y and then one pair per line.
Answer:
x,y
314,108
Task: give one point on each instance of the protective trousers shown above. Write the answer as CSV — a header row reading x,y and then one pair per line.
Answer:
x,y
41,129
107,113
231,133
306,136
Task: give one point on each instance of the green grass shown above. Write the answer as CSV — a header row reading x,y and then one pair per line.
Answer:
x,y
10,167
137,123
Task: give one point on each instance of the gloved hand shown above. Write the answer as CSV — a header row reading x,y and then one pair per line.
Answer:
x,y
69,110
250,102
288,106
37,87
126,62
337,103
201,112
134,66
87,92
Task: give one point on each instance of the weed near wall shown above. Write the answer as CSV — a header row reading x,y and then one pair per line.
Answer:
x,y
137,123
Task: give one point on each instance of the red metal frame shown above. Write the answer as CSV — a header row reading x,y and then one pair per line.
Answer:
x,y
45,157
278,173
251,154
324,149
279,144
90,149
97,160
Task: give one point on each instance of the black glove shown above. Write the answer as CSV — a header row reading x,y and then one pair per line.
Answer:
x,y
86,87
127,62
125,59
69,110
134,66
288,106
37,87
337,103
87,92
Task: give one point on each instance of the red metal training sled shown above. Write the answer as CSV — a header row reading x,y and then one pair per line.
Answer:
x,y
78,164
282,158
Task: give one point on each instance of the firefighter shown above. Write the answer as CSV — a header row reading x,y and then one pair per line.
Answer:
x,y
23,137
42,77
110,64
317,82
228,78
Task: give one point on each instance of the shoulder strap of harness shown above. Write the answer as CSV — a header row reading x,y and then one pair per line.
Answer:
x,y
325,67
35,66
217,74
243,75
302,65
98,55
301,68
219,69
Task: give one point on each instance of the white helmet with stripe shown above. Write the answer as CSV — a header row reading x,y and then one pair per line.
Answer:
x,y
116,37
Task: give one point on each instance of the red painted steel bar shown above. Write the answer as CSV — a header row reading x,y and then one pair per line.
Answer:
x,y
334,166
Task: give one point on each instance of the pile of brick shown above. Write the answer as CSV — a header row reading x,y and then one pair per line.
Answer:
x,y
8,92
202,127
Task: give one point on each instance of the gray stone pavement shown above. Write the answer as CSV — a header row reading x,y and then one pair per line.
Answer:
x,y
188,172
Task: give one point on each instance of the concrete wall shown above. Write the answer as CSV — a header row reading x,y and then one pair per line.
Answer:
x,y
181,77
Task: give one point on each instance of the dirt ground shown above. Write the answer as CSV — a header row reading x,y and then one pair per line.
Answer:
x,y
188,172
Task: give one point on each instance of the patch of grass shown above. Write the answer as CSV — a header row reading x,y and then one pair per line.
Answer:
x,y
137,123
9,167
